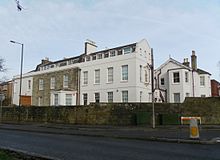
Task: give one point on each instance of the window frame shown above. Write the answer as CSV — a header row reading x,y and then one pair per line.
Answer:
x,y
176,79
41,84
162,81
97,97
65,81
110,96
124,73
85,77
52,82
187,77
85,98
68,99
97,78
202,81
124,96
110,75
127,50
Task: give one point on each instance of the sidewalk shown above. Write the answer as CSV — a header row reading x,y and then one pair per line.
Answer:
x,y
179,134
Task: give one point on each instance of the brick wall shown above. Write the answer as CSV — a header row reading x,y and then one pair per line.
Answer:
x,y
116,113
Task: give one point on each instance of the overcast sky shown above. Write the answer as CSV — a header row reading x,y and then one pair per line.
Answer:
x,y
59,28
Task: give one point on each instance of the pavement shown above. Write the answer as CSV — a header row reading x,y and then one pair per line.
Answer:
x,y
209,134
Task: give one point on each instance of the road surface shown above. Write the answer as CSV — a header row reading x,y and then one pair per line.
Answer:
x,y
70,147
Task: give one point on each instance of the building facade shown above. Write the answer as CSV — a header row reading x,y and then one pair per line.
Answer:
x,y
120,74
175,81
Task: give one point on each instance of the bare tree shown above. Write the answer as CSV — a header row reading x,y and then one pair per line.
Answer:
x,y
2,66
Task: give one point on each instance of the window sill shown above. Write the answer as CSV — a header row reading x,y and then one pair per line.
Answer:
x,y
124,81
109,82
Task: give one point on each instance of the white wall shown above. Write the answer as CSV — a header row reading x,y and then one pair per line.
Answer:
x,y
192,86
133,85
25,91
62,97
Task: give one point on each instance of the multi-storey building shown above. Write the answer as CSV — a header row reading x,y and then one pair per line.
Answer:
x,y
175,81
120,74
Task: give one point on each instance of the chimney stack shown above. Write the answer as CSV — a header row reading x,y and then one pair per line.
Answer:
x,y
45,61
186,62
194,60
90,47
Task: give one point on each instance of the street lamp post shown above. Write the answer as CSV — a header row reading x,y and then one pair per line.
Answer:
x,y
152,88
21,69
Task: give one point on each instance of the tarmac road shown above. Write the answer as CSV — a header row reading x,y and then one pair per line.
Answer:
x,y
70,147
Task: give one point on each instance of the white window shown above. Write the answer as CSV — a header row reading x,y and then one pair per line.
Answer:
x,y
124,72
202,80
124,96
65,81
110,74
94,57
97,97
106,55
112,53
140,73
99,56
110,97
85,77
29,84
87,58
68,99
85,98
127,50
146,76
56,99
41,84
97,76
176,97
186,77
52,83
176,77
39,101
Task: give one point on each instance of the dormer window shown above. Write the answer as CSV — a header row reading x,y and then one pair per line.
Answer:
x,y
63,64
127,50
94,57
87,58
99,56
120,52
112,53
106,55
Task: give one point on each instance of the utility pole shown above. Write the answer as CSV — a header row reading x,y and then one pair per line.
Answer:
x,y
152,88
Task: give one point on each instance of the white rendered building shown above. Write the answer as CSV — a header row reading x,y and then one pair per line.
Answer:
x,y
26,90
174,81
120,74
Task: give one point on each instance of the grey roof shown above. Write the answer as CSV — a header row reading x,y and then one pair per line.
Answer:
x,y
200,71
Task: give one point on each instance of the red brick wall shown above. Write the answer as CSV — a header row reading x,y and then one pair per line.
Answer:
x,y
215,88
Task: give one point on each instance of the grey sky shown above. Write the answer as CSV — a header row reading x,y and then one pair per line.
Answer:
x,y
58,28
